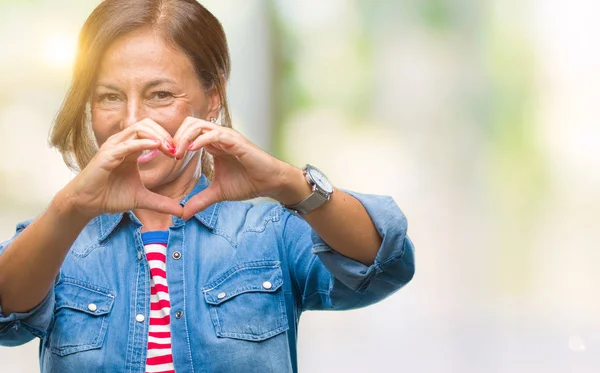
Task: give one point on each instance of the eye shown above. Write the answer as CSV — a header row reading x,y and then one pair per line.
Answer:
x,y
162,95
108,97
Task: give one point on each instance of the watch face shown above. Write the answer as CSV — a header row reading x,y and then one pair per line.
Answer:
x,y
320,179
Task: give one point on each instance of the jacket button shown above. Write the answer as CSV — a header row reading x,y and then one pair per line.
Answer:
x,y
92,307
139,255
221,295
178,314
267,285
139,317
176,255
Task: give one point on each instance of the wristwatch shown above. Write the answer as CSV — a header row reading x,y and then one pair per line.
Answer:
x,y
321,191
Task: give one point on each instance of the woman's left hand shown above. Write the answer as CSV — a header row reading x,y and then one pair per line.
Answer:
x,y
242,170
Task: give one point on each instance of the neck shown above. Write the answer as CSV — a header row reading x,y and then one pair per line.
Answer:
x,y
177,190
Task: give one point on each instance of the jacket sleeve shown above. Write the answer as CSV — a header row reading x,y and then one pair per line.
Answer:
x,y
19,328
327,280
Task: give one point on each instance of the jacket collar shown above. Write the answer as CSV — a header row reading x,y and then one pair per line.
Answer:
x,y
108,222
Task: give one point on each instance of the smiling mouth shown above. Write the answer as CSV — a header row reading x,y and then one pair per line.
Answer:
x,y
147,156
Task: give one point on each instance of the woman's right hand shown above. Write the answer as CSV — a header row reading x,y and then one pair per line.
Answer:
x,y
111,182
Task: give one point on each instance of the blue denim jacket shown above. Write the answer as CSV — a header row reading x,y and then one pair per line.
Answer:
x,y
91,320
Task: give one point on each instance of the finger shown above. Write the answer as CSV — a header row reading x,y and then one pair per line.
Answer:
x,y
201,201
155,202
184,140
131,146
224,140
149,129
189,130
193,121
137,131
187,122
204,139
213,149
208,124
159,130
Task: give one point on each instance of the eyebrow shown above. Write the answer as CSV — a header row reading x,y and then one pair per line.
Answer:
x,y
148,85
110,86
156,82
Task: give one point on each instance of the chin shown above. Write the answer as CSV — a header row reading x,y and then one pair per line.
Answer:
x,y
150,179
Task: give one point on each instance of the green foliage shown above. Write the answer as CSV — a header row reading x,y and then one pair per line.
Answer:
x,y
437,14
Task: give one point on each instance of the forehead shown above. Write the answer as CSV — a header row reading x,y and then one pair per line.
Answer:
x,y
144,53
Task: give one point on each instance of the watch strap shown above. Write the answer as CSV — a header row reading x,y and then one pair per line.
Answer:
x,y
316,199
310,203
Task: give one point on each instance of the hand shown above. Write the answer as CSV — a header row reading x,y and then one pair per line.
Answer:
x,y
111,182
242,170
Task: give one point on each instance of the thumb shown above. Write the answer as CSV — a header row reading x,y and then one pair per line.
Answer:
x,y
201,201
155,202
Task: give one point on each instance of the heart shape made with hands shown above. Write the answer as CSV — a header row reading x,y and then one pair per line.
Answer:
x,y
241,169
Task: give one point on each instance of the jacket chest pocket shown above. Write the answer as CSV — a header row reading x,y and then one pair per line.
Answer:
x,y
80,317
247,302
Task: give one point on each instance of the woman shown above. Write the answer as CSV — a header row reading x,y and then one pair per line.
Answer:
x,y
149,260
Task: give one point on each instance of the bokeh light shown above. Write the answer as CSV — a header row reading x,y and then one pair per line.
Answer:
x,y
60,50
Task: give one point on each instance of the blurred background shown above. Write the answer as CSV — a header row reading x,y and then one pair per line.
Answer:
x,y
480,118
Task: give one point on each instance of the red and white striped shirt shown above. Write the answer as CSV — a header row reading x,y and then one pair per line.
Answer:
x,y
160,357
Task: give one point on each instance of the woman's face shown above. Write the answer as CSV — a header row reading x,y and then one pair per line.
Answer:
x,y
141,77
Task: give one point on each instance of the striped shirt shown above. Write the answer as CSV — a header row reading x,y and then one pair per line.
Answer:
x,y
160,357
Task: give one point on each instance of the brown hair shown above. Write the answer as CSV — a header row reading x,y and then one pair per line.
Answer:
x,y
184,23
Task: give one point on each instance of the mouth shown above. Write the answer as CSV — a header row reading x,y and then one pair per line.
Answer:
x,y
147,156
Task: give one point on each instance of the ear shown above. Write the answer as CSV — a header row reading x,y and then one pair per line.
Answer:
x,y
214,104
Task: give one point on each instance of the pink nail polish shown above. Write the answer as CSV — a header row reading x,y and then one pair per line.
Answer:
x,y
191,146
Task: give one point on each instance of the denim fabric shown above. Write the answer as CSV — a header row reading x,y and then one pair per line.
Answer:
x,y
245,274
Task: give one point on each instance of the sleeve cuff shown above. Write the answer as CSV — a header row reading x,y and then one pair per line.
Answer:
x,y
35,321
391,225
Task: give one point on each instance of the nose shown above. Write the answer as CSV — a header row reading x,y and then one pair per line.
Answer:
x,y
135,113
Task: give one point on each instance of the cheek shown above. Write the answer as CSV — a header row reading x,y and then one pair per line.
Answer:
x,y
171,117
104,124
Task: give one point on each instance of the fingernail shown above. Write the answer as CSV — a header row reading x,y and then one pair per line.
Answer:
x,y
191,146
177,158
169,145
173,151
